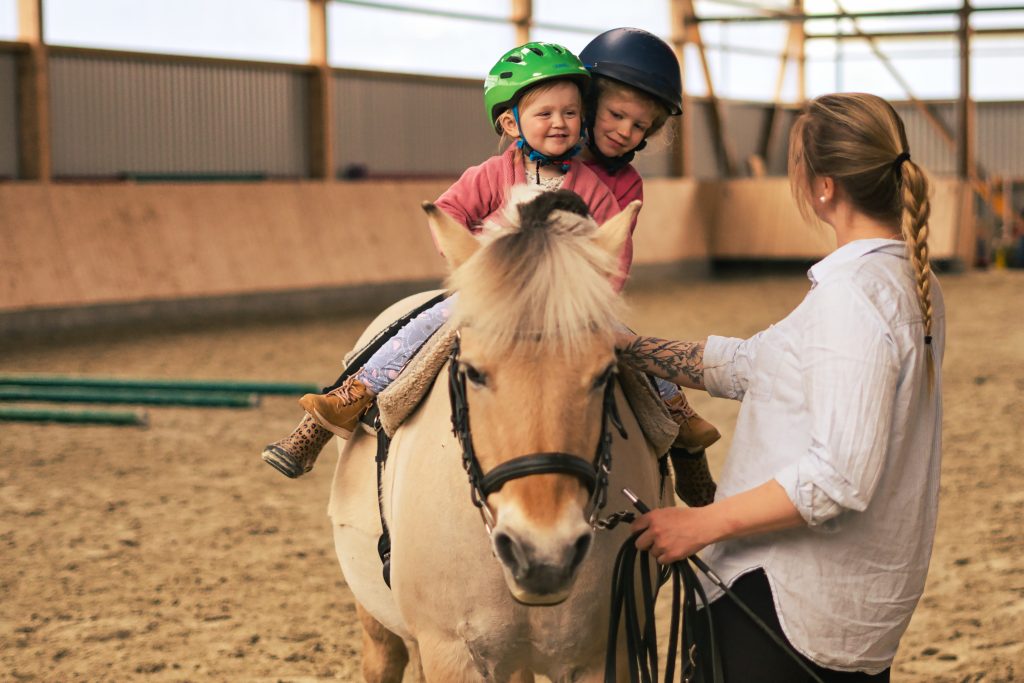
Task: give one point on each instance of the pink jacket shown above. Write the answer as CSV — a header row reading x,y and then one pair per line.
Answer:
x,y
626,185
482,190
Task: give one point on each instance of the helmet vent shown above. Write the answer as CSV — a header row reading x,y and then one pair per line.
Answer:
x,y
505,74
516,59
537,51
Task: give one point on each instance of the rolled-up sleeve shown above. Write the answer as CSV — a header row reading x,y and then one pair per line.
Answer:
x,y
729,365
849,371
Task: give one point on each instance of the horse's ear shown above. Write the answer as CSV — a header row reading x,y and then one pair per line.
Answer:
x,y
455,242
613,234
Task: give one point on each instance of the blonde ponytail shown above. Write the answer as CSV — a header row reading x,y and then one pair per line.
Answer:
x,y
914,227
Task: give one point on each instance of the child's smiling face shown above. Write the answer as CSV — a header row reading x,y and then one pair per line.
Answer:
x,y
620,123
551,120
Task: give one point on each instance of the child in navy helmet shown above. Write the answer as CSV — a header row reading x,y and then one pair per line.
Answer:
x,y
635,87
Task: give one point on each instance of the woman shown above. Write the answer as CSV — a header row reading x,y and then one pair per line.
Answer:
x,y
826,507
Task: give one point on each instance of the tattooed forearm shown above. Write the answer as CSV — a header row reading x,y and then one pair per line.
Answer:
x,y
677,361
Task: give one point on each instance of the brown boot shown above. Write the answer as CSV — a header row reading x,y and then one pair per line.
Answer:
x,y
295,454
694,484
694,431
339,410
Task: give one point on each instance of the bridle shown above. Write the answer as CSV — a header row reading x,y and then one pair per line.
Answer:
x,y
594,474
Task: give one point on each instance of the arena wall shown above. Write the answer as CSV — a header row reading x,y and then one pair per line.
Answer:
x,y
87,249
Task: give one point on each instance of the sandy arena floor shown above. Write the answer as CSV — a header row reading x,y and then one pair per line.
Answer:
x,y
173,553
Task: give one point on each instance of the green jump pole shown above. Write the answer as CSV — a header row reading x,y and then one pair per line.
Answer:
x,y
285,388
156,397
110,417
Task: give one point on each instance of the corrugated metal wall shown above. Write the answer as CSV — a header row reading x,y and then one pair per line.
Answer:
x,y
410,127
744,123
8,116
927,146
1000,143
114,115
416,127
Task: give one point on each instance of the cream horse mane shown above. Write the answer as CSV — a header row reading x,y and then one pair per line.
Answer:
x,y
537,277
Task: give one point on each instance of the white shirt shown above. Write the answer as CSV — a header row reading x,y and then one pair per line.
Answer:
x,y
836,408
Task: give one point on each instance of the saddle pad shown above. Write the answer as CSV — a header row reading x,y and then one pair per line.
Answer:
x,y
400,399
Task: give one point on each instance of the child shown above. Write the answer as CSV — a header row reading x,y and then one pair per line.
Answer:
x,y
534,96
635,87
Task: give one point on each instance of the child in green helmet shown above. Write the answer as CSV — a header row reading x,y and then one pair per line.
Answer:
x,y
533,96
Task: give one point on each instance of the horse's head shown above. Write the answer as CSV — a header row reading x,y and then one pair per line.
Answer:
x,y
537,317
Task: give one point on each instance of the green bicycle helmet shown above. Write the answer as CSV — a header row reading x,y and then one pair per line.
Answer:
x,y
526,66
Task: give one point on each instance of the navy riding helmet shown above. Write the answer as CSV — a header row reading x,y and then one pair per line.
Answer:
x,y
640,59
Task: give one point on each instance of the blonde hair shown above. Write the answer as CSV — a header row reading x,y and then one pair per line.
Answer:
x,y
860,142
601,86
525,98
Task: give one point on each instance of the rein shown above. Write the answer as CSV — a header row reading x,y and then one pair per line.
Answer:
x,y
594,474
699,666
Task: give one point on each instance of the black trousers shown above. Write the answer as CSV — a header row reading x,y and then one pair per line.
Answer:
x,y
750,656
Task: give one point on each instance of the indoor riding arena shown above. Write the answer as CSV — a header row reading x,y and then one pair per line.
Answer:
x,y
203,205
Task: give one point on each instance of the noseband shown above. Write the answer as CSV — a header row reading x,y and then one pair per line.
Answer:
x,y
593,474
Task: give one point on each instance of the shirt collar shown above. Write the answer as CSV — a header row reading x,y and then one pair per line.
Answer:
x,y
851,251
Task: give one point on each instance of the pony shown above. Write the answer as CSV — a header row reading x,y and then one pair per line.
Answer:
x,y
507,579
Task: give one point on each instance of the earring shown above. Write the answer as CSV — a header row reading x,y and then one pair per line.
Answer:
x,y
821,199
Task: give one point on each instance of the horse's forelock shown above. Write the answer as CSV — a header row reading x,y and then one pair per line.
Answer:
x,y
549,282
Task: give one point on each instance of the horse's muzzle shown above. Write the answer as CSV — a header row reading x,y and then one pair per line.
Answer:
x,y
538,577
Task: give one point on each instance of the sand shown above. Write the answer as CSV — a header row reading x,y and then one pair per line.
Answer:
x,y
172,553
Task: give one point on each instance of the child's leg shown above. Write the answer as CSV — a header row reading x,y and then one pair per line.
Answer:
x,y
384,366
694,484
338,411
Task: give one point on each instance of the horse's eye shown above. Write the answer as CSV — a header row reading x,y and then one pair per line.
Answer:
x,y
601,380
475,377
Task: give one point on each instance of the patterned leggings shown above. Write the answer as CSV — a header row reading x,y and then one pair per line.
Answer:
x,y
387,363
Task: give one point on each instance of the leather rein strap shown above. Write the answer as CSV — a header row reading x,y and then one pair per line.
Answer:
x,y
698,665
594,475
642,641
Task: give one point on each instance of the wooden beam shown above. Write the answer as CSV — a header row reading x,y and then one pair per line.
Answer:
x,y
965,166
320,96
793,52
803,16
716,112
33,93
522,18
682,158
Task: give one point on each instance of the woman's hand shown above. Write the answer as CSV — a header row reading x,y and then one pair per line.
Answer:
x,y
670,534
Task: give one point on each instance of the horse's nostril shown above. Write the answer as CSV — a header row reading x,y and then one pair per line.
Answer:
x,y
510,553
580,549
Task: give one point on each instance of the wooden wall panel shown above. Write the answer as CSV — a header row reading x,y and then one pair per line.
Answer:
x,y
676,221
758,219
73,245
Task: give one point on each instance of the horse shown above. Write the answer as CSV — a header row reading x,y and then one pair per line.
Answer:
x,y
504,581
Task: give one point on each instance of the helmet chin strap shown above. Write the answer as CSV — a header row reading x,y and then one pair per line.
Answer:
x,y
540,158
